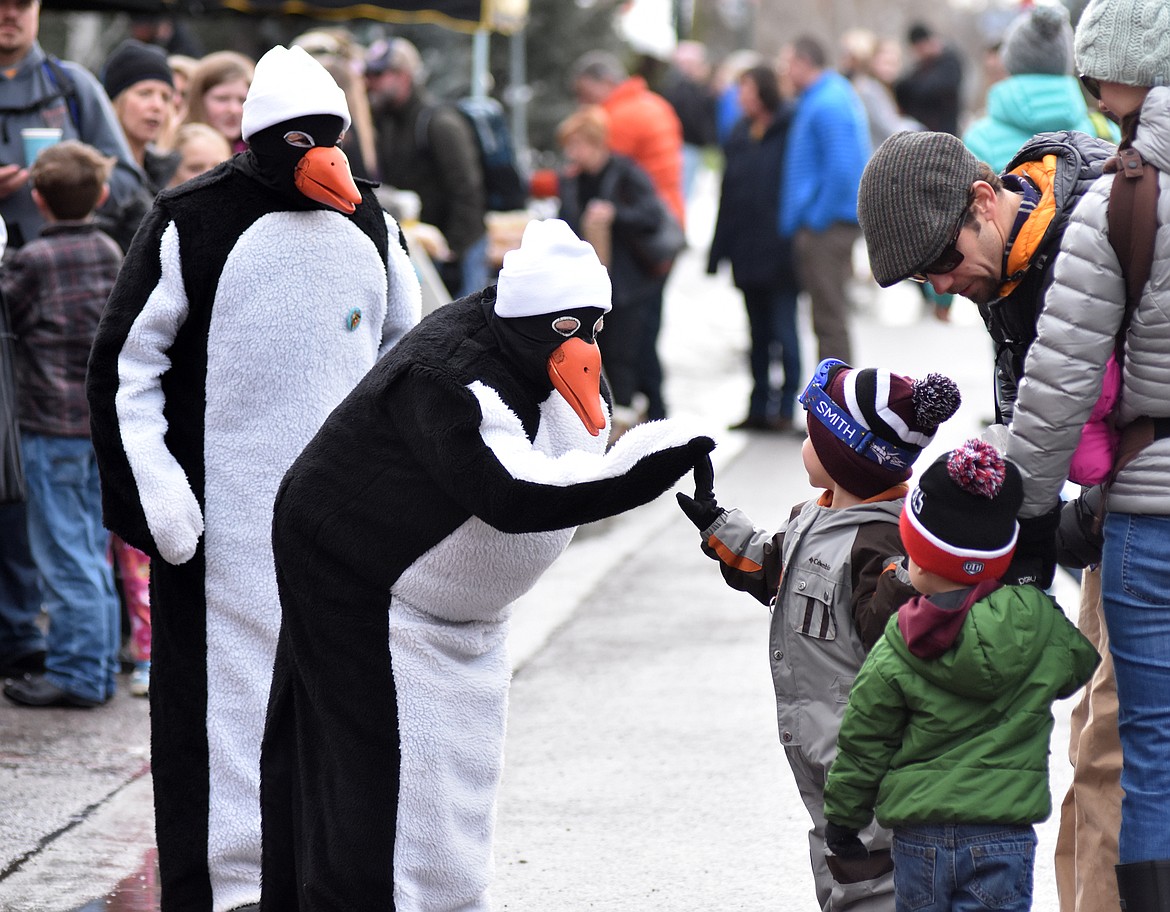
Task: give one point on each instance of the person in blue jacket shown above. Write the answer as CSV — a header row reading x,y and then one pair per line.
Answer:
x,y
828,146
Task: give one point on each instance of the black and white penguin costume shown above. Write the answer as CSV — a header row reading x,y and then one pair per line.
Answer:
x,y
253,299
437,493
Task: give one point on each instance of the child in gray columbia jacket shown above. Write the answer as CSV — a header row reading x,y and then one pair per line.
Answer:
x,y
834,576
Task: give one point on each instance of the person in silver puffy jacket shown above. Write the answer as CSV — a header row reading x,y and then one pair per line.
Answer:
x,y
1123,53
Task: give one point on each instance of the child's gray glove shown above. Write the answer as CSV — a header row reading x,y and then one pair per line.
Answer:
x,y
702,509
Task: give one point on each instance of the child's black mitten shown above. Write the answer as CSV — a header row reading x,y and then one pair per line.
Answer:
x,y
701,509
844,842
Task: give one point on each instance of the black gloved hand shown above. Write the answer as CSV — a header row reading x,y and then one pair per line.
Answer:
x,y
1034,562
701,509
844,842
1078,537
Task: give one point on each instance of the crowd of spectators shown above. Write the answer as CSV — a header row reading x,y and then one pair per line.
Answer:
x,y
789,131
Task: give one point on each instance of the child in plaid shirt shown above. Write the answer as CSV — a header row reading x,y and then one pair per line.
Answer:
x,y
56,287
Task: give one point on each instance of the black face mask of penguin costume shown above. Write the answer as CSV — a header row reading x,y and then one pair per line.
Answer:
x,y
557,349
300,160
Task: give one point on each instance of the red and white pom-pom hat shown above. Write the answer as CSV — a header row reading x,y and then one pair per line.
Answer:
x,y
960,519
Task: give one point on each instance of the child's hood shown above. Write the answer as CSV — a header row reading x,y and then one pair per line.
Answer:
x,y
998,643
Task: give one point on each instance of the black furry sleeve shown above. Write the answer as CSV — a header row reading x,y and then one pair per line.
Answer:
x,y
500,478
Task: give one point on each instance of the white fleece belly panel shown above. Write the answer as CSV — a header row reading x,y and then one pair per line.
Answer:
x,y
297,323
448,637
452,682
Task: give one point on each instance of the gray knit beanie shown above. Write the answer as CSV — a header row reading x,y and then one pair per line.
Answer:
x,y
913,192
1039,41
1125,41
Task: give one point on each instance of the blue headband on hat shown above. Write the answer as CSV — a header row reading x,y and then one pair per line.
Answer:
x,y
840,423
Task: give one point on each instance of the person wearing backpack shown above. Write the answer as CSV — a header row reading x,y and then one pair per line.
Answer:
x,y
37,90
995,239
1123,54
431,150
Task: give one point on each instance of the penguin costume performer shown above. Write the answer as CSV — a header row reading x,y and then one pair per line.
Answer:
x,y
437,493
252,300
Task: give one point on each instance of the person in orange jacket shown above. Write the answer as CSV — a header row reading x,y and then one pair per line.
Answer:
x,y
643,127
642,124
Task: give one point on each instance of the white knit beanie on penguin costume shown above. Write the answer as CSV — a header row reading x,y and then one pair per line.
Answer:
x,y
289,83
1125,41
551,270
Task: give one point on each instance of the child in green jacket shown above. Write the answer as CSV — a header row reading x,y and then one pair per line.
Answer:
x,y
945,738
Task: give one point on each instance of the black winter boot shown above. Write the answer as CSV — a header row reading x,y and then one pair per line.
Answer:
x,y
1144,886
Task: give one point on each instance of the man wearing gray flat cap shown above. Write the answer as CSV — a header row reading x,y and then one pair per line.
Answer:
x,y
932,212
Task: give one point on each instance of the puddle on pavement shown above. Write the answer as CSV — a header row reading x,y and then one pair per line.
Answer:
x,y
139,892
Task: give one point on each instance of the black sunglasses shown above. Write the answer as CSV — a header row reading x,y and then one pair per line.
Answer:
x,y
948,260
1092,85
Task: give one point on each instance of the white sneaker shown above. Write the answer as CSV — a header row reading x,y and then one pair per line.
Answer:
x,y
140,680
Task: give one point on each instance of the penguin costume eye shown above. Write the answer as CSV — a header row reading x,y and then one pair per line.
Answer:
x,y
547,331
300,139
566,326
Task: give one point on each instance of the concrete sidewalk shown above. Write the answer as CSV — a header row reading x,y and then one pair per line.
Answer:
x,y
643,769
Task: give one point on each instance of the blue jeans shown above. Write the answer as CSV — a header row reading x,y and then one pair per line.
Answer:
x,y
69,546
20,587
473,268
649,366
771,314
1135,589
963,867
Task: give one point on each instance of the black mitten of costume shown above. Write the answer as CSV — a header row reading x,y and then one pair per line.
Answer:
x,y
1079,539
702,509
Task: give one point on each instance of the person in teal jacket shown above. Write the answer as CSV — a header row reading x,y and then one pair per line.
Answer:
x,y
1040,94
945,737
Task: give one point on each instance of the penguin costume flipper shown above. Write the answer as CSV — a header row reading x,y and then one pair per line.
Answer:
x,y
403,291
484,461
126,399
